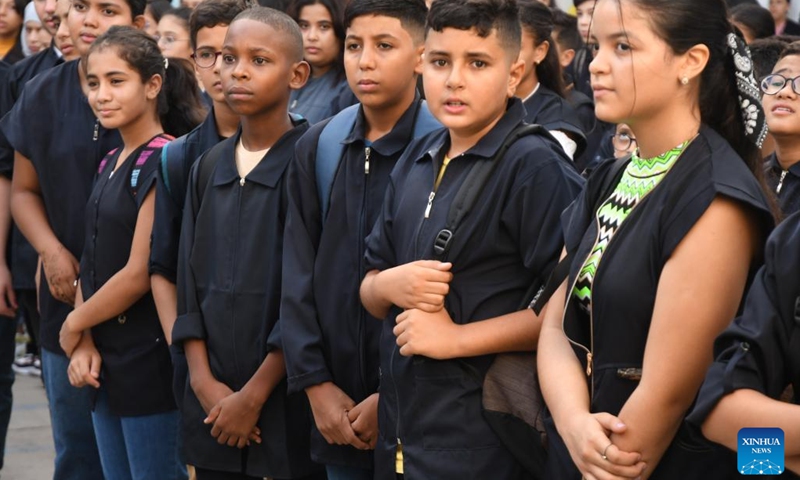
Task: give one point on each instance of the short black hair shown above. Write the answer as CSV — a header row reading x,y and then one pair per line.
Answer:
x,y
485,16
157,8
282,23
565,28
765,53
211,13
411,13
755,18
578,3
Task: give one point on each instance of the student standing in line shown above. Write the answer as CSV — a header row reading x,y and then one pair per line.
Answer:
x,y
174,38
330,341
238,421
53,173
444,319
781,102
625,342
542,88
134,415
326,92
11,15
208,26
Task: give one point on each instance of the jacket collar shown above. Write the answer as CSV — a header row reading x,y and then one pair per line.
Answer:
x,y
270,169
492,141
394,141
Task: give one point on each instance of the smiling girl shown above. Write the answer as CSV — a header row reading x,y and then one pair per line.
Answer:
x,y
135,417
660,267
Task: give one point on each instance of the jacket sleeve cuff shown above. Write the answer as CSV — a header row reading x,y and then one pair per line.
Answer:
x,y
299,383
188,327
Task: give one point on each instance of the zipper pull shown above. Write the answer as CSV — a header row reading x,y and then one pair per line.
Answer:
x,y
589,359
96,130
367,151
430,204
241,182
780,182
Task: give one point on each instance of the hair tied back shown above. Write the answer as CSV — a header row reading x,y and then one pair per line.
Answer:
x,y
753,117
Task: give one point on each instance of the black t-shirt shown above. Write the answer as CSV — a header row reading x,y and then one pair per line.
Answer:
x,y
53,126
136,369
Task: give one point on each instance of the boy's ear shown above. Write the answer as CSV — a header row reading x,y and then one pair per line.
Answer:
x,y
300,73
566,57
139,22
420,57
153,87
515,76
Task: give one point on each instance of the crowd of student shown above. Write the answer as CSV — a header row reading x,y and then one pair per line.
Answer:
x,y
297,242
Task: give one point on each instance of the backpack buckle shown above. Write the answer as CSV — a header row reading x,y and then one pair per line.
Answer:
x,y
442,242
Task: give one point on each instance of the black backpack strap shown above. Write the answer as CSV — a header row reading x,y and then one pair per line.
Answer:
x,y
473,186
206,165
173,171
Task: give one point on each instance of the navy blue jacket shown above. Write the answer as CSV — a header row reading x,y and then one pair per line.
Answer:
x,y
616,332
327,334
507,243
546,108
170,199
761,350
229,287
53,126
23,257
785,184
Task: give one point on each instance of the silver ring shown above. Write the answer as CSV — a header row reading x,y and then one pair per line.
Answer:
x,y
603,455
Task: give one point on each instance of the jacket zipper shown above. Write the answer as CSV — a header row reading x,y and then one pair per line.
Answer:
x,y
780,182
233,276
362,319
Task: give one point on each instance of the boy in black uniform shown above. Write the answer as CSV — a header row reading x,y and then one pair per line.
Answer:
x,y
758,356
238,421
330,341
430,418
208,25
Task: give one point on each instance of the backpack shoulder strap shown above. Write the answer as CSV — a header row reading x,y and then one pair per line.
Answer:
x,y
154,145
205,165
473,186
329,153
172,170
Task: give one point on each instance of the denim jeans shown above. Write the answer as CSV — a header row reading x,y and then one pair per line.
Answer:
x,y
70,416
336,472
137,448
8,332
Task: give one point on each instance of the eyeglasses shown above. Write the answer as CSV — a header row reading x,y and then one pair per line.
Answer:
x,y
623,141
168,40
206,58
772,84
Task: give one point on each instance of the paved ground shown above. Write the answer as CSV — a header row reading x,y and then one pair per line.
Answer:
x,y
29,445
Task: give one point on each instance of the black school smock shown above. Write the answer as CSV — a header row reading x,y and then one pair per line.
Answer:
x,y
755,351
23,256
170,198
327,335
553,112
136,371
785,184
229,287
53,126
626,282
510,239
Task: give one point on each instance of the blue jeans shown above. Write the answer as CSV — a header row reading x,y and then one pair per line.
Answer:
x,y
137,448
336,472
8,333
71,420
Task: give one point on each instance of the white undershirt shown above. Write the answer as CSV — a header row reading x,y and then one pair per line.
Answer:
x,y
246,160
